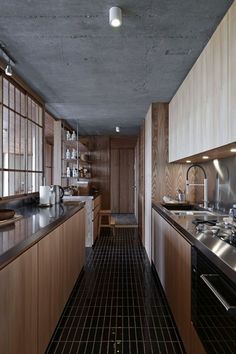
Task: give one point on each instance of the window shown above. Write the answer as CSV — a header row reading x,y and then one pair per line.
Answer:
x,y
21,149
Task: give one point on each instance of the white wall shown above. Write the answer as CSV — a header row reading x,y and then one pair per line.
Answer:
x,y
148,181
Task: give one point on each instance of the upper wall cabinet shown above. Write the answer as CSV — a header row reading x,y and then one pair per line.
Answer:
x,y
232,71
199,118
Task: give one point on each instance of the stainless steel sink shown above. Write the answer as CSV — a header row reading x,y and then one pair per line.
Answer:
x,y
192,212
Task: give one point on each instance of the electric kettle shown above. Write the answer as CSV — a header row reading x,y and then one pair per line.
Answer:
x,y
59,193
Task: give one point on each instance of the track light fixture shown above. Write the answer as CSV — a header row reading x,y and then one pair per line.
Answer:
x,y
115,16
8,70
7,58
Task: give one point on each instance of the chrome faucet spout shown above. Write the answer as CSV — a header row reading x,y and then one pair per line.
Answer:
x,y
205,184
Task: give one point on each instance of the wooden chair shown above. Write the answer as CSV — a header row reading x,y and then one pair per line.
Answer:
x,y
106,220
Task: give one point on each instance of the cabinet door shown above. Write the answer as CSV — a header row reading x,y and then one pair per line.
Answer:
x,y
51,284
74,249
178,279
173,265
61,258
232,72
96,210
198,119
18,305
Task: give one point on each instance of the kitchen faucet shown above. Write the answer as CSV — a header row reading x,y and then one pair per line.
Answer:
x,y
204,185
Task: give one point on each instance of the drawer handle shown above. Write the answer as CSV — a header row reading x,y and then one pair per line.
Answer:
x,y
206,278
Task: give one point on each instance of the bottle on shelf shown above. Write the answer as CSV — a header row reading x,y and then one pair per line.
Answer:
x,y
68,136
75,172
73,136
74,154
67,154
68,172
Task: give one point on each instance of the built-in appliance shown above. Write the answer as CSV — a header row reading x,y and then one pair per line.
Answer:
x,y
59,193
213,306
224,231
44,195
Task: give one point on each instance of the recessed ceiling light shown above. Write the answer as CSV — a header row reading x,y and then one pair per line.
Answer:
x,y
205,157
188,161
233,150
117,129
115,16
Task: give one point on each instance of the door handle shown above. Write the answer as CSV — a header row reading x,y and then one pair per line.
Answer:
x,y
231,309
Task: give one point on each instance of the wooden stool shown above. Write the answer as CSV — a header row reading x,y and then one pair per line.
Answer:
x,y
110,221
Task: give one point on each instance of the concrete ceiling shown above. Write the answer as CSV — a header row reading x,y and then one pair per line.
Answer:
x,y
100,76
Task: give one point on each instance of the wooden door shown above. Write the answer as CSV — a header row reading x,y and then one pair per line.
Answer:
x,y
122,180
126,175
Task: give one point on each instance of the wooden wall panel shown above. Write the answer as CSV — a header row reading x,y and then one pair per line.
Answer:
x,y
123,142
101,167
115,185
126,181
148,180
141,197
136,178
166,177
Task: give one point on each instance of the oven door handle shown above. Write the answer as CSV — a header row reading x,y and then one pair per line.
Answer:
x,y
206,278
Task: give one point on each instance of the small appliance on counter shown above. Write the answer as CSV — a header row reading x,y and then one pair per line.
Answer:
x,y
59,193
44,195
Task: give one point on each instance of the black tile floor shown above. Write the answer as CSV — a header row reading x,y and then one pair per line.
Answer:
x,y
117,307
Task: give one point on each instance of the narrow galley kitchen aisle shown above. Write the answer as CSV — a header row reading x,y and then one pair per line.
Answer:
x,y
117,307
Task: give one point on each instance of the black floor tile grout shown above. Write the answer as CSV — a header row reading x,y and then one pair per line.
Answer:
x,y
117,306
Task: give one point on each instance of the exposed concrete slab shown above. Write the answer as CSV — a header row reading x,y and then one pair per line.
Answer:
x,y
103,77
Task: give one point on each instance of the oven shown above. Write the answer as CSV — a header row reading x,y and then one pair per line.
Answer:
x,y
213,306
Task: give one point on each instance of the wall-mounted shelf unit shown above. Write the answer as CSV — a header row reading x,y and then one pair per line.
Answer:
x,y
75,159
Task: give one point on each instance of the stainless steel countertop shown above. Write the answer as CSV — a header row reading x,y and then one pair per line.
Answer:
x,y
36,223
222,254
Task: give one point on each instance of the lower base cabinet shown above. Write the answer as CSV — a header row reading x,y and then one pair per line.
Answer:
x,y
61,258
18,305
96,209
35,287
171,255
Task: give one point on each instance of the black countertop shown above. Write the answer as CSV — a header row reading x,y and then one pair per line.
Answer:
x,y
35,223
222,254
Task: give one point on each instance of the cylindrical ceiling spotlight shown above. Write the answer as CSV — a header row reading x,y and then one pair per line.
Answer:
x,y
117,129
115,16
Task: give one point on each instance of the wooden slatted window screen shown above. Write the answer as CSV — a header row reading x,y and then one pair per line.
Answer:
x,y
21,145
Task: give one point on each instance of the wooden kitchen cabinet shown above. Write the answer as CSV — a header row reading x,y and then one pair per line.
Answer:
x,y
232,71
51,284
96,208
18,304
61,257
198,113
74,246
172,259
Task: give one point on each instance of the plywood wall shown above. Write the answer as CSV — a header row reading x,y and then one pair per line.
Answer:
x,y
100,147
166,177
141,197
